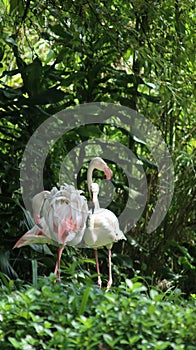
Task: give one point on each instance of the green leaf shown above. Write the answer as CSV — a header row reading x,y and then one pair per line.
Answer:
x,y
153,294
135,138
16,6
61,31
84,301
144,160
1,53
32,77
150,98
15,343
11,41
134,339
108,339
138,287
34,272
49,96
129,283
90,130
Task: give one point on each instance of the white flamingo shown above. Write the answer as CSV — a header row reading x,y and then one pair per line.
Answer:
x,y
60,215
102,231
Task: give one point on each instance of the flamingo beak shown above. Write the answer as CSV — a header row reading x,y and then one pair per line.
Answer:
x,y
108,172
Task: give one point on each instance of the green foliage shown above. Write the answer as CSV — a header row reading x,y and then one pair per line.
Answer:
x,y
139,54
77,316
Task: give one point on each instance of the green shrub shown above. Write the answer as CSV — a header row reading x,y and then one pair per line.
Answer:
x,y
78,316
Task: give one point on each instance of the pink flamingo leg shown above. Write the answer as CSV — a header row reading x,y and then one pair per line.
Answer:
x,y
63,230
98,271
110,270
57,266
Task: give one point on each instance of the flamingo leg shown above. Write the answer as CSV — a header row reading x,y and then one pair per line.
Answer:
x,y
110,270
99,282
57,266
62,234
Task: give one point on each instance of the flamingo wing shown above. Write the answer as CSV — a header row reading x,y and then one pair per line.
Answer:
x,y
102,229
67,215
36,235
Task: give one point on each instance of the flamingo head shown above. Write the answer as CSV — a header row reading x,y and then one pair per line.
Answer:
x,y
108,172
99,164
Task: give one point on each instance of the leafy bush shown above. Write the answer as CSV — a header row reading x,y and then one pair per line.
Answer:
x,y
78,316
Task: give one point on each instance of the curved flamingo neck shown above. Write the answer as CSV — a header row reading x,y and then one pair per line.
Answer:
x,y
90,176
95,200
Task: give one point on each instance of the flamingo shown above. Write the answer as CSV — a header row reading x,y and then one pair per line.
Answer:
x,y
60,220
102,230
60,215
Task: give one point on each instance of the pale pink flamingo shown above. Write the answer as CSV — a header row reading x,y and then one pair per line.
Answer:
x,y
60,215
102,230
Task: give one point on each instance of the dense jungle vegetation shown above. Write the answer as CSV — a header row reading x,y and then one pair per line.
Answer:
x,y
56,55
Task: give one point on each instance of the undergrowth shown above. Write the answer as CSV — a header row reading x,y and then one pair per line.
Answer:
x,y
80,316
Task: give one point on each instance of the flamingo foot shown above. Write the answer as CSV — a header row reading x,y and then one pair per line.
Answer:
x,y
57,280
108,285
58,275
99,282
